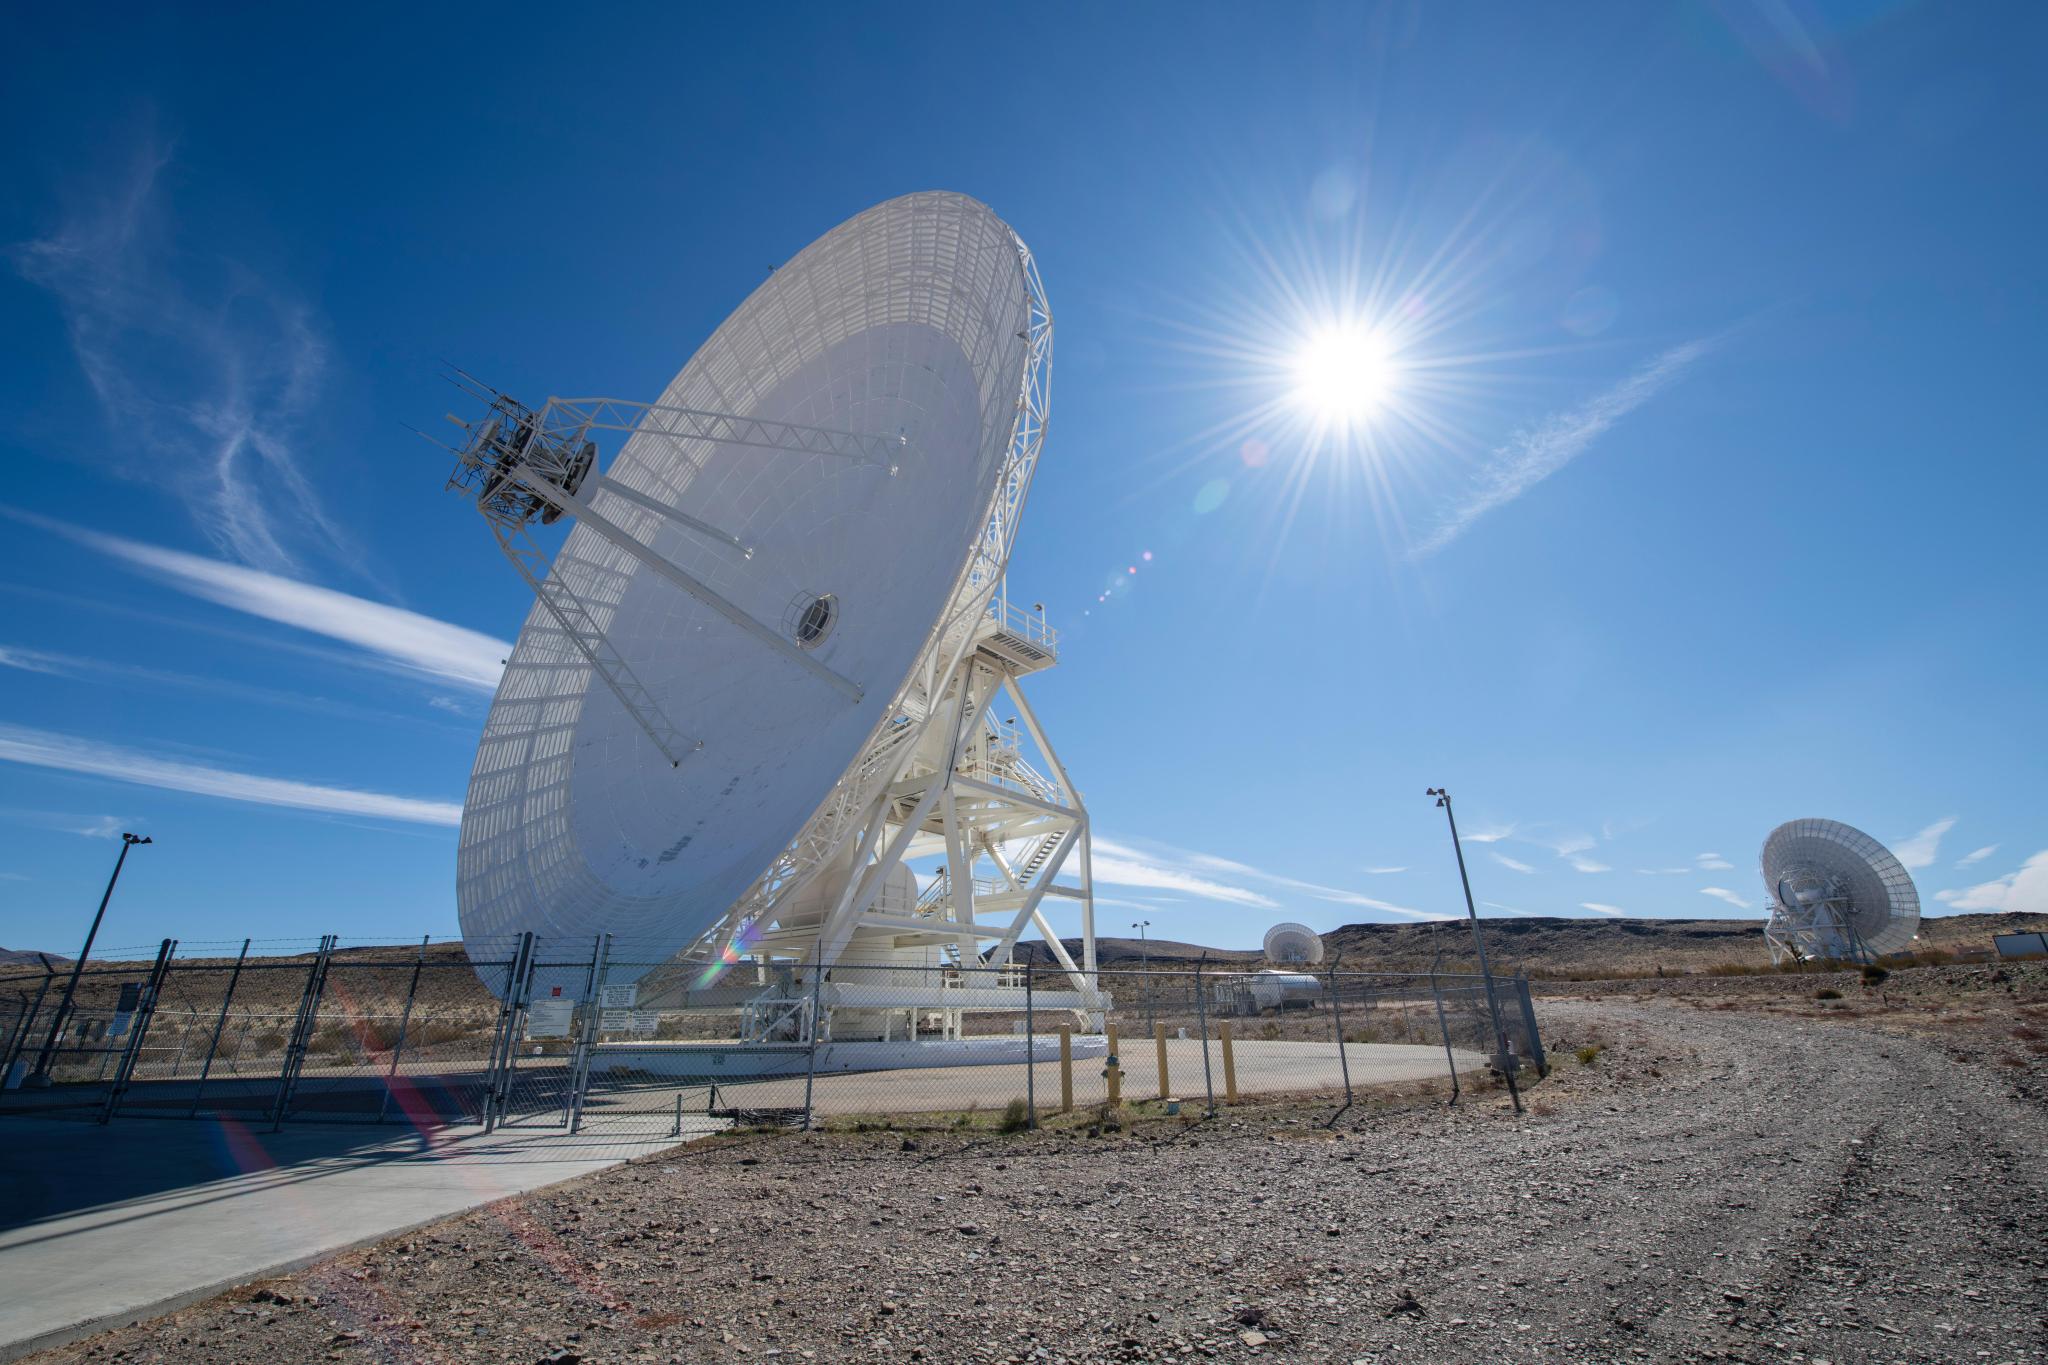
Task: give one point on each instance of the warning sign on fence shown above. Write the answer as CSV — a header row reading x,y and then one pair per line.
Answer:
x,y
619,997
549,1017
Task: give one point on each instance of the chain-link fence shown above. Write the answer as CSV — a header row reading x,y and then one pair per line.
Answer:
x,y
598,1036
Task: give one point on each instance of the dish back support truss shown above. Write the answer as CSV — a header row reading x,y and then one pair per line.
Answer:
x,y
849,812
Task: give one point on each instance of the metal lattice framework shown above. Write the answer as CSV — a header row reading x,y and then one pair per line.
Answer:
x,y
1836,894
850,811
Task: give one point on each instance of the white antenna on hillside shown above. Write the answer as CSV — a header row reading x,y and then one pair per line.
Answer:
x,y
1836,894
1294,945
760,674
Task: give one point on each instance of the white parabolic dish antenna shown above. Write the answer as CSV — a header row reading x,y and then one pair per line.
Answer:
x,y
1836,893
785,579
1293,943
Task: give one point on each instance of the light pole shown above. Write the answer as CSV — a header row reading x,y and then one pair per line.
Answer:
x,y
48,1056
1144,966
1500,1034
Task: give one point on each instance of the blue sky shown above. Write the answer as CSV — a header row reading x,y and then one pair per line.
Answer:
x,y
1703,491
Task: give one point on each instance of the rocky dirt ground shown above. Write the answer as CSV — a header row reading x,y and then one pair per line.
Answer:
x,y
1747,1177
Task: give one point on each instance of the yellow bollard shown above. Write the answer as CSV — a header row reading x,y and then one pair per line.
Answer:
x,y
1159,1040
1229,1064
1113,1073
1066,1068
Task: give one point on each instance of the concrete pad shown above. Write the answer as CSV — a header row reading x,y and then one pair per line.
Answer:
x,y
1261,1066
105,1226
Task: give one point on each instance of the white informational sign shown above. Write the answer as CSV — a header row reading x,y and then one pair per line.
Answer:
x,y
645,1022
549,1017
619,997
615,1021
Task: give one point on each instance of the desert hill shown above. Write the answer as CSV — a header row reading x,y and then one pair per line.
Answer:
x,y
1539,945
1547,945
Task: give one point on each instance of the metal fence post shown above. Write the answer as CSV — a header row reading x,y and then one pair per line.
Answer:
x,y
145,1010
504,1041
811,1068
18,1045
1030,1053
213,1044
1066,1068
404,1022
1202,1029
1529,1022
1337,1023
302,1031
1443,1026
579,1078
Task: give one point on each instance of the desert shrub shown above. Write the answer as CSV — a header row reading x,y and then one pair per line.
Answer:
x,y
1590,1053
1873,975
1827,993
1016,1117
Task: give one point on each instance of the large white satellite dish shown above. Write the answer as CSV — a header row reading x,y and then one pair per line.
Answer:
x,y
759,673
1296,944
1836,894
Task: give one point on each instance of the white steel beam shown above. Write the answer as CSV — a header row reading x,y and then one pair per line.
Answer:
x,y
703,592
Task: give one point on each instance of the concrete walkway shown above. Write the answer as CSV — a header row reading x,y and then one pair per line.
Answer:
x,y
105,1226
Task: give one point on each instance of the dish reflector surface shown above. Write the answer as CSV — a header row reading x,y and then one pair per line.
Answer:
x,y
1809,863
907,321
1293,943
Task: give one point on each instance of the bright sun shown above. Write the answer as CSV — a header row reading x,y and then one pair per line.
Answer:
x,y
1344,374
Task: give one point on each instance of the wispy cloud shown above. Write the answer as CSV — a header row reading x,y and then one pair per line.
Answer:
x,y
204,370
66,753
86,826
1122,865
1511,864
142,675
1205,874
1537,452
1581,863
1735,899
1599,909
1665,871
1973,858
401,639
1713,862
1384,871
1923,848
32,661
1492,834
2024,890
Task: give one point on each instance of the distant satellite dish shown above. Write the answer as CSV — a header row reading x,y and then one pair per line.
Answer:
x,y
1836,893
1295,944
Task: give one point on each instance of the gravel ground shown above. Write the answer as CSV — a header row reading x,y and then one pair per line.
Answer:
x,y
1715,1184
